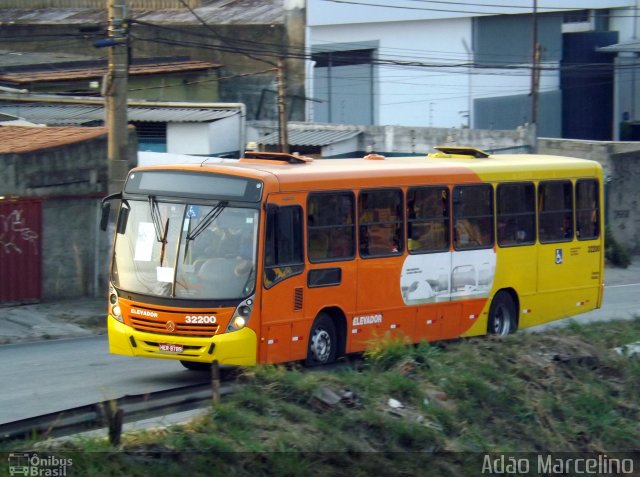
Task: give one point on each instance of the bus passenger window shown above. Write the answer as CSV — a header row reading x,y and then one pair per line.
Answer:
x,y
381,224
330,226
428,219
283,246
473,217
516,206
587,210
555,211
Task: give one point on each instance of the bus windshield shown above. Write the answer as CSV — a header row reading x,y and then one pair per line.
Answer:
x,y
186,250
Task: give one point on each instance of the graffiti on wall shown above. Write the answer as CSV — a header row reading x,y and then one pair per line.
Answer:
x,y
15,235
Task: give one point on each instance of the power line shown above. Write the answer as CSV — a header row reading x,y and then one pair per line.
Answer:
x,y
211,80
556,10
401,7
491,5
201,20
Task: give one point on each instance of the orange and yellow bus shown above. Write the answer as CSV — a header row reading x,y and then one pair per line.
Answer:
x,y
276,257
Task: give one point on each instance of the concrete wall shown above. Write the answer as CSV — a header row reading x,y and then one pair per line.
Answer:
x,y
226,135
400,139
75,253
221,137
188,138
621,164
623,197
404,140
600,151
73,169
71,179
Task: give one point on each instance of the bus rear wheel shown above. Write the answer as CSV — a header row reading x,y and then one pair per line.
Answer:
x,y
323,342
196,365
502,315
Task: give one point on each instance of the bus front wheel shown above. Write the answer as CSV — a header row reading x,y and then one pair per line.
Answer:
x,y
502,315
323,342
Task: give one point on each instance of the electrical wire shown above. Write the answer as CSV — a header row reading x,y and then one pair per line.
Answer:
x,y
555,10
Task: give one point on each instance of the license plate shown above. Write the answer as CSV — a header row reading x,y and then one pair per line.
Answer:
x,y
171,348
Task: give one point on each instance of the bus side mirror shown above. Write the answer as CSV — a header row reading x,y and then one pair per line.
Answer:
x,y
106,210
123,218
104,220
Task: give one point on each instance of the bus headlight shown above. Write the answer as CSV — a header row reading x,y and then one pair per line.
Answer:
x,y
114,306
241,315
239,322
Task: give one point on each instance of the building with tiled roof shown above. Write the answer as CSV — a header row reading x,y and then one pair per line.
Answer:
x,y
51,183
22,139
163,78
55,161
246,36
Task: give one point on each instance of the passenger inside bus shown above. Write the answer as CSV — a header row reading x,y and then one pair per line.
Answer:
x,y
467,234
318,244
340,243
426,229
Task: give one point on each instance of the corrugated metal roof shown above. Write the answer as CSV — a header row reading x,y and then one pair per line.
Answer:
x,y
17,139
214,12
311,137
25,77
77,114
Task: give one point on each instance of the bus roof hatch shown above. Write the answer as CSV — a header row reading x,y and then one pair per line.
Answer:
x,y
458,152
276,156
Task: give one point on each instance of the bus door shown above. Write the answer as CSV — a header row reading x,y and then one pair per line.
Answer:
x,y
590,239
283,327
569,257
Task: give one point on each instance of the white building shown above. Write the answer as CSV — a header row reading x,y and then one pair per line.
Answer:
x,y
467,64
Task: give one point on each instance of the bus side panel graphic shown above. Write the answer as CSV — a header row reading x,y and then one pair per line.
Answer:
x,y
447,276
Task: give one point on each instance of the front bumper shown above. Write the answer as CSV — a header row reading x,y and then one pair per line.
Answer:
x,y
238,348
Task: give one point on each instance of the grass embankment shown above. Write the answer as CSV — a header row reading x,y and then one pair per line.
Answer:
x,y
563,390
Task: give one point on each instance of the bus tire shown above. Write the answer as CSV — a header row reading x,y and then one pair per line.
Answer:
x,y
196,365
323,341
503,318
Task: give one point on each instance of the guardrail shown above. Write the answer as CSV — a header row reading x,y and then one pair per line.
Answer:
x,y
110,414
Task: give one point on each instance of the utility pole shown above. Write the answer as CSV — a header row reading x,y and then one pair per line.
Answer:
x,y
535,63
535,59
282,108
116,94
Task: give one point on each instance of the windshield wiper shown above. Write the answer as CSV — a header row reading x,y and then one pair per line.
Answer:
x,y
207,220
161,233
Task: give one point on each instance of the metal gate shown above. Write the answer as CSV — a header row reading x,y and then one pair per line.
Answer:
x,y
20,250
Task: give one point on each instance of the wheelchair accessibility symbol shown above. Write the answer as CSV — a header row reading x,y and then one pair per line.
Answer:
x,y
558,256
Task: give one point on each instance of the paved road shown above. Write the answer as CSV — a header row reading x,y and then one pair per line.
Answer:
x,y
620,302
47,376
